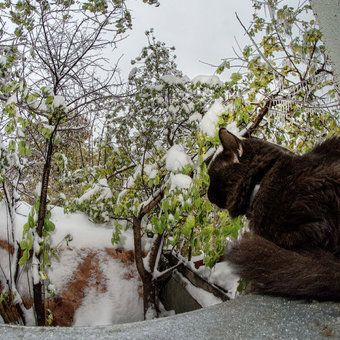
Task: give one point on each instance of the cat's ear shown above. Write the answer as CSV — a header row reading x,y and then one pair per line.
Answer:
x,y
230,142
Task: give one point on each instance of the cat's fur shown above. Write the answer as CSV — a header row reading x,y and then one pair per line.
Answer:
x,y
293,248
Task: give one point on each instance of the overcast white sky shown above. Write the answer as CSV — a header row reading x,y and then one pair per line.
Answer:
x,y
201,30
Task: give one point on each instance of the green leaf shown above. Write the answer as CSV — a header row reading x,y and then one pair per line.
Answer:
x,y
235,77
22,148
48,225
49,100
45,257
31,221
23,245
25,257
165,205
26,228
188,225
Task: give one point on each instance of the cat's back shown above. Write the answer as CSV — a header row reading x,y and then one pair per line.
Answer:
x,y
323,162
328,150
302,194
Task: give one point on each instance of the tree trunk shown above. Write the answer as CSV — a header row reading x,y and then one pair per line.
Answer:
x,y
149,288
149,284
39,303
149,297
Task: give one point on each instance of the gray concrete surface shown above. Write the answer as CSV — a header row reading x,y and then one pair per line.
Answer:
x,y
248,317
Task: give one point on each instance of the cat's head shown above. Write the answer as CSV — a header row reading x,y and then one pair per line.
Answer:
x,y
223,171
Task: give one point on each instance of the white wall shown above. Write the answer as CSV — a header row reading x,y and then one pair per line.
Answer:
x,y
328,16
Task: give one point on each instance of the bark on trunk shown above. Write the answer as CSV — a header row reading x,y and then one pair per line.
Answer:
x,y
149,284
149,289
39,303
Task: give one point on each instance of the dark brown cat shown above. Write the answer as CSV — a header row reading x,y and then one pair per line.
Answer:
x,y
293,248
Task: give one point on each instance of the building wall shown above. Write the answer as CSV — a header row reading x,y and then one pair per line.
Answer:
x,y
327,13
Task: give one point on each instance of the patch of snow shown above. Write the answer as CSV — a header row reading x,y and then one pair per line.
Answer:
x,y
207,80
222,275
208,124
120,303
116,301
150,170
180,181
12,99
176,158
85,234
150,314
101,187
172,109
58,273
38,104
174,80
204,298
132,73
232,127
3,60
158,88
196,116
58,101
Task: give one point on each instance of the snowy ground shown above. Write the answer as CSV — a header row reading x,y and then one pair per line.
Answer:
x,y
100,282
94,282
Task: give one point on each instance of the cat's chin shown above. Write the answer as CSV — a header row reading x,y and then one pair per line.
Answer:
x,y
234,211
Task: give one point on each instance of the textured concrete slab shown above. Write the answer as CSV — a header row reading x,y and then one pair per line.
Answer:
x,y
248,317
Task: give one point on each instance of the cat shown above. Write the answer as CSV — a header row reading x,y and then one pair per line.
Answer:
x,y
292,203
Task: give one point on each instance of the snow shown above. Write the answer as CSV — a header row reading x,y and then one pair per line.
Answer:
x,y
86,234
203,297
58,101
207,80
150,170
117,300
174,80
180,181
132,73
38,104
208,124
176,158
59,273
3,60
119,304
102,187
221,275
12,99
196,116
150,314
232,127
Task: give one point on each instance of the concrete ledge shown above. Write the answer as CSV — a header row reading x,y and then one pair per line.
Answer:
x,y
248,317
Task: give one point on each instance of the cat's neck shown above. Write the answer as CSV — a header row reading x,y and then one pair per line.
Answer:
x,y
253,194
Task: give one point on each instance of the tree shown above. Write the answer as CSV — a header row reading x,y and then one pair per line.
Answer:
x,y
60,79
156,173
284,88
